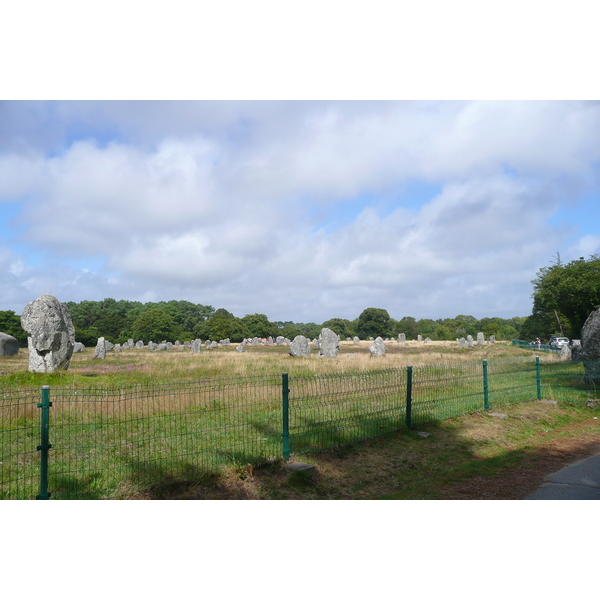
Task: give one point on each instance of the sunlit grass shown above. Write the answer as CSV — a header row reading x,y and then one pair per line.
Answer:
x,y
118,423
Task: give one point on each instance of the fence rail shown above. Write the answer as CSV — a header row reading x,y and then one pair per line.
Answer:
x,y
106,443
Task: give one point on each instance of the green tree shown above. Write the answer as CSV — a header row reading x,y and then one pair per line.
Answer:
x,y
408,326
223,325
259,326
373,322
290,331
339,326
10,323
569,292
154,325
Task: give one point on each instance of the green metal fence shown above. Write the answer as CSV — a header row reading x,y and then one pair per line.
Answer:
x,y
536,347
101,443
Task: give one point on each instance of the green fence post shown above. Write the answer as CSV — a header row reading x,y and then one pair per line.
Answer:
x,y
409,378
486,390
285,434
44,446
538,377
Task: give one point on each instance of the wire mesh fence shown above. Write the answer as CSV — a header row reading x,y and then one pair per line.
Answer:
x,y
571,382
329,411
108,443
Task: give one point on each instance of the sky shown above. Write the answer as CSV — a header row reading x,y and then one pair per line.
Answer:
x,y
301,210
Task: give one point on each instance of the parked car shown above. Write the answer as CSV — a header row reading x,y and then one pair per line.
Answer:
x,y
558,341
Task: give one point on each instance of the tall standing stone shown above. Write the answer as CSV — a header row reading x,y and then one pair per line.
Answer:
x,y
196,346
101,348
51,335
299,347
590,343
401,337
329,343
480,339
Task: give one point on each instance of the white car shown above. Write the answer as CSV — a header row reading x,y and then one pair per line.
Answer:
x,y
559,341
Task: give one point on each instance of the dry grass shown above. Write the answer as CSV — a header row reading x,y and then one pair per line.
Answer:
x,y
135,365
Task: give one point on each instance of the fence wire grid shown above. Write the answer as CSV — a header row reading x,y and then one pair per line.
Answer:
x,y
108,443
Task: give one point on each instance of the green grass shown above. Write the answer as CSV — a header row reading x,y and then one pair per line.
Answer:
x,y
167,416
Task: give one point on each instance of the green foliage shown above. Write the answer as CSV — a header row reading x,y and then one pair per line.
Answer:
x,y
259,326
373,322
408,326
154,325
340,326
223,325
10,323
567,292
290,332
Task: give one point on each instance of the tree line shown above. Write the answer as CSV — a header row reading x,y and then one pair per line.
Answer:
x,y
120,320
563,297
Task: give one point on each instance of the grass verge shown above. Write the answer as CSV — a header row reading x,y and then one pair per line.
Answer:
x,y
473,457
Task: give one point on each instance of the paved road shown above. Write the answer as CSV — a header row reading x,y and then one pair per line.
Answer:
x,y
579,481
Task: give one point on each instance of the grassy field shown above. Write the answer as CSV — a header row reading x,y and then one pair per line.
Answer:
x,y
143,366
143,424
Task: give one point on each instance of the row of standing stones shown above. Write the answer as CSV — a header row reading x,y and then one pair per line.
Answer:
x,y
51,340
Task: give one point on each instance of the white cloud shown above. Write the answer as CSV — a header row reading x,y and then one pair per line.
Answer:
x,y
225,203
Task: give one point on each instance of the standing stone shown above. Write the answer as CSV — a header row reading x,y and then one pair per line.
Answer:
x,y
419,338
492,339
401,337
377,348
160,347
469,341
279,340
329,343
480,339
196,346
462,342
139,344
240,348
214,344
356,339
9,345
101,348
118,348
299,347
576,350
590,342
51,335
564,352
208,345
78,347
151,345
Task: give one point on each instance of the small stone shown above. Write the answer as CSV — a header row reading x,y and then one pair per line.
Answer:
x,y
299,467
498,415
423,434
